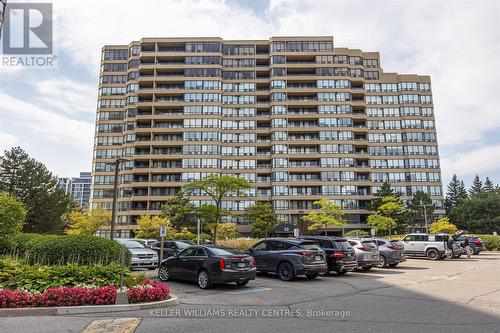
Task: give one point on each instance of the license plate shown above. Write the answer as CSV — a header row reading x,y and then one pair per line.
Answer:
x,y
317,258
242,264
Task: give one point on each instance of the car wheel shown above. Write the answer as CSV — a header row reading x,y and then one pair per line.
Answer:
x,y
383,262
242,283
325,273
204,280
432,254
163,273
456,256
341,272
393,265
366,268
311,276
476,252
285,272
472,251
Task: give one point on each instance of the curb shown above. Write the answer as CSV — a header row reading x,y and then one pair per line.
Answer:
x,y
64,310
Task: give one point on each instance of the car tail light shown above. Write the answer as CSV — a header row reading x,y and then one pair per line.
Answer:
x,y
303,253
477,241
362,248
337,255
222,264
254,262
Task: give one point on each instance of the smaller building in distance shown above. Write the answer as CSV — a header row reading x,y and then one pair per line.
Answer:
x,y
78,187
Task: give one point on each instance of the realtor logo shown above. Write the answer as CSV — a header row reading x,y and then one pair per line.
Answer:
x,y
28,29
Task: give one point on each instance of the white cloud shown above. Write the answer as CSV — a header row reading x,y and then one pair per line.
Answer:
x,y
484,161
7,141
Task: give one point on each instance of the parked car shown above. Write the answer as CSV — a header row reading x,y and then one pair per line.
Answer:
x,y
391,252
146,242
289,258
340,255
208,265
367,254
432,246
141,256
170,247
476,244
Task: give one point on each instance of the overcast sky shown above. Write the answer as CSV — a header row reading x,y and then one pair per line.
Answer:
x,y
51,113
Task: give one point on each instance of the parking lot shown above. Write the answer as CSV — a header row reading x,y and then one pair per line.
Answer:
x,y
418,296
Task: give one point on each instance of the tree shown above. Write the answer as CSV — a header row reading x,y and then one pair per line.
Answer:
x,y
488,185
384,191
148,227
329,215
227,230
387,214
420,207
208,215
455,192
12,215
217,188
262,219
443,226
476,187
179,211
86,222
32,183
479,213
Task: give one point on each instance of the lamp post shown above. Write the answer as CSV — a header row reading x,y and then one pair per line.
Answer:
x,y
425,217
115,190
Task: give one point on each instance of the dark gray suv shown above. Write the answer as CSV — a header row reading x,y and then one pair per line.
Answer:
x,y
392,252
289,258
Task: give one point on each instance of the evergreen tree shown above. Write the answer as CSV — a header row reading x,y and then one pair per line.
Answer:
x,y
419,207
29,180
384,191
488,185
462,191
476,187
452,193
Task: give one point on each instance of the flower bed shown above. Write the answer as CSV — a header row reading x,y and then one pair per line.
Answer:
x,y
147,291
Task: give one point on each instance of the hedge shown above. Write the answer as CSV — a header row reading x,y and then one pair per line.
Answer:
x,y
15,275
59,250
491,242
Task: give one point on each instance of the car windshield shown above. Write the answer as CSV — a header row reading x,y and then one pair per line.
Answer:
x,y
132,244
221,252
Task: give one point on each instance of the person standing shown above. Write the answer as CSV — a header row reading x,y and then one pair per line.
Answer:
x,y
467,247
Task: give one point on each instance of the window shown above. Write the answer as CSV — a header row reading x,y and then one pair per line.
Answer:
x,y
114,67
116,54
204,47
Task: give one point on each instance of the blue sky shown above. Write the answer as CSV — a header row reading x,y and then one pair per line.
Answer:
x,y
51,113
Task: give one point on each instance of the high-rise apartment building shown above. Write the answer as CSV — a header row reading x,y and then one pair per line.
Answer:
x,y
295,116
78,188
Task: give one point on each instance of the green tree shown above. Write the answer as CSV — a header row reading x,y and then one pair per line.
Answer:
x,y
476,187
384,191
443,226
387,214
179,211
455,192
328,215
227,230
420,207
262,219
479,213
86,222
488,185
12,218
217,188
209,216
30,181
148,227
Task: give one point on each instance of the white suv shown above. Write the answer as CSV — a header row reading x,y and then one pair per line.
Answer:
x,y
432,246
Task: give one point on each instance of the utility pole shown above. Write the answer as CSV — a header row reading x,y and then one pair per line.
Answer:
x,y
113,206
425,217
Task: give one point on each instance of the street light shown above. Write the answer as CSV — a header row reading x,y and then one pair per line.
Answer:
x,y
115,189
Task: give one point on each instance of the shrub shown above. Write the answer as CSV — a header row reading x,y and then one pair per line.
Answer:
x,y
12,218
14,298
355,233
59,250
148,291
38,278
491,242
239,244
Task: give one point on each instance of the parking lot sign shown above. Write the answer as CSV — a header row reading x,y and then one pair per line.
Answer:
x,y
295,232
163,231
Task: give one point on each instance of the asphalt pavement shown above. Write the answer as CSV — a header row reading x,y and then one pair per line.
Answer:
x,y
418,296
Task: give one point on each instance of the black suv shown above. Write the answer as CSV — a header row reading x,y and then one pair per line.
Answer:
x,y
340,255
289,258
